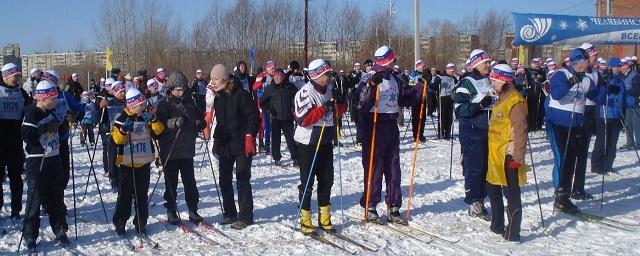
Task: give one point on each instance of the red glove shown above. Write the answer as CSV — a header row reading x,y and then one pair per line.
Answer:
x,y
513,165
249,146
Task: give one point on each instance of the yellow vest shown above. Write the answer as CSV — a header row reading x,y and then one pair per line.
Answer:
x,y
500,135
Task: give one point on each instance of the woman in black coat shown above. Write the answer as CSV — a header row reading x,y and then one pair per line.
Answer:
x,y
234,143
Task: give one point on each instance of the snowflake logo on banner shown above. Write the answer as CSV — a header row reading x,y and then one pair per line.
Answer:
x,y
536,30
564,25
582,24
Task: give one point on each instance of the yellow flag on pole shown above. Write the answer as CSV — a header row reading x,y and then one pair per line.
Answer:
x,y
521,54
107,63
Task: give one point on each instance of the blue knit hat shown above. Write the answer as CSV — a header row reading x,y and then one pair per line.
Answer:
x,y
578,56
614,62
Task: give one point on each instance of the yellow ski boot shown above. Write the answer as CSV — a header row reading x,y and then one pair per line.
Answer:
x,y
306,226
324,219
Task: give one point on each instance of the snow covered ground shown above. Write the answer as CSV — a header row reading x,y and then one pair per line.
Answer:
x,y
438,208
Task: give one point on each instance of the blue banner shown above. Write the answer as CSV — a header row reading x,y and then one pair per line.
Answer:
x,y
540,29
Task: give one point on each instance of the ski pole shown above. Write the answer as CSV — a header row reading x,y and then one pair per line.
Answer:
x,y
606,143
93,171
535,179
634,146
415,151
453,121
313,163
175,139
73,181
215,181
338,134
135,188
371,154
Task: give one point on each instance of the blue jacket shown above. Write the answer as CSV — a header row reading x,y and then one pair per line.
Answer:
x,y
470,112
615,103
632,86
572,115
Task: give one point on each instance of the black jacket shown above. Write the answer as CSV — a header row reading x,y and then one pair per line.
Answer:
x,y
197,93
75,89
277,100
168,110
237,116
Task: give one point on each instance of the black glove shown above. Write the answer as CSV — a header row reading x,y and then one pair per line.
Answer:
x,y
329,105
613,89
576,79
127,126
376,79
486,101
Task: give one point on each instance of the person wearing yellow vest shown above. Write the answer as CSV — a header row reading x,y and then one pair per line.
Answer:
x,y
507,147
132,132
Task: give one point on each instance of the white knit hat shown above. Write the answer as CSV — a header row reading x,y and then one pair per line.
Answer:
x,y
45,90
318,67
134,98
384,56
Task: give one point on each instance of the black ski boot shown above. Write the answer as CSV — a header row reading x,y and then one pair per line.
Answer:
x,y
121,231
563,203
228,220
172,217
394,216
240,225
478,210
581,196
194,217
373,216
63,239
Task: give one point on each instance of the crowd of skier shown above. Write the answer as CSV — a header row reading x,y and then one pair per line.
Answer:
x,y
144,121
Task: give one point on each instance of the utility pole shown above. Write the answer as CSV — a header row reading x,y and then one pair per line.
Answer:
x,y
390,21
416,33
306,32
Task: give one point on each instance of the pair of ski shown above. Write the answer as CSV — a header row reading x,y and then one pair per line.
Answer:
x,y
71,249
410,231
197,232
323,239
605,222
142,240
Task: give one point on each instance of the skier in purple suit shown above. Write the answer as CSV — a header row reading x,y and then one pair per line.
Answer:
x,y
393,93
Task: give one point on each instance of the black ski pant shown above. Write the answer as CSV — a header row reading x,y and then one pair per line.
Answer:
x,y
277,128
133,185
514,204
322,172
184,167
13,163
65,162
588,130
604,152
415,120
87,131
445,117
243,185
45,187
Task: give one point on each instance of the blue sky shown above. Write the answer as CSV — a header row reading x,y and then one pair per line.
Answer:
x,y
64,25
